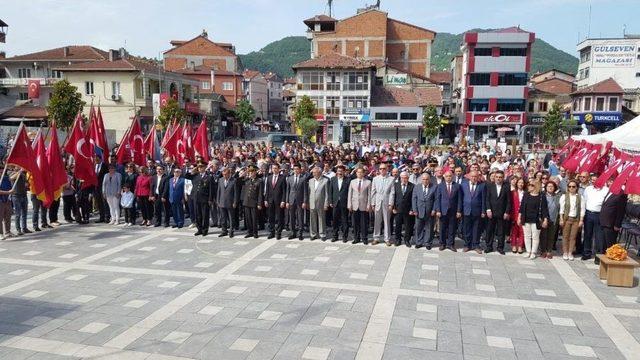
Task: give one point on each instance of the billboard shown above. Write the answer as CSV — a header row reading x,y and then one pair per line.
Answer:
x,y
614,55
598,118
496,118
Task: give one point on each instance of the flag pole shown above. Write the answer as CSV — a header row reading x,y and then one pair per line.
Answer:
x,y
4,171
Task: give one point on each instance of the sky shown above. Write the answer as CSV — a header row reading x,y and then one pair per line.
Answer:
x,y
145,27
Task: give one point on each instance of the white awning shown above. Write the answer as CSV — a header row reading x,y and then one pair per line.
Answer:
x,y
396,124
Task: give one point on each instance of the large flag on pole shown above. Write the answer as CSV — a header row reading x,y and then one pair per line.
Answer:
x,y
78,146
58,174
201,142
151,145
40,153
185,145
97,134
171,145
22,155
131,147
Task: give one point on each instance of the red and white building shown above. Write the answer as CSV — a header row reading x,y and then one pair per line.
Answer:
x,y
494,89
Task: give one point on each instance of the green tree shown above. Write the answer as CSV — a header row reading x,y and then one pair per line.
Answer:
x,y
245,113
430,123
171,111
65,103
552,127
305,109
308,127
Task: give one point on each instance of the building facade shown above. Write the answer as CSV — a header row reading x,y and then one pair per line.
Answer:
x,y
256,91
494,88
123,86
372,35
201,51
598,105
616,58
274,89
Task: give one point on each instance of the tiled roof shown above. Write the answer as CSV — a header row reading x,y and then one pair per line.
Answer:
x,y
290,81
555,86
319,18
272,77
395,96
26,111
288,93
75,52
250,74
126,64
608,86
205,47
440,77
334,61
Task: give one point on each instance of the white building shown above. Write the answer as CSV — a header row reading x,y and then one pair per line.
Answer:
x,y
274,89
256,92
617,58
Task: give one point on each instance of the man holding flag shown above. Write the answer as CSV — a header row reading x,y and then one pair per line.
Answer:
x,y
5,203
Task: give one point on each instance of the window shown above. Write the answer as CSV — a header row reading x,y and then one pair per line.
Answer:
x,y
88,87
512,79
585,54
581,74
228,86
318,102
333,105
482,51
480,79
355,81
24,73
587,104
542,106
411,116
513,51
532,107
510,105
115,88
23,96
586,73
613,103
206,85
599,104
333,80
351,103
386,116
478,105
311,80
576,104
56,74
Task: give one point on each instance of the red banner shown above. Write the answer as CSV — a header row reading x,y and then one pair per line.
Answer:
x,y
164,98
34,89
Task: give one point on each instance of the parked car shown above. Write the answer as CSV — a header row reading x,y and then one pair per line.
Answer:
x,y
278,139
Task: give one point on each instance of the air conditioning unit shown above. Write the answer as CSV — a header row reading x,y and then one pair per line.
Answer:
x,y
115,97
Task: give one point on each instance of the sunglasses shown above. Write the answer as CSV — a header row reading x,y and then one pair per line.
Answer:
x,y
572,186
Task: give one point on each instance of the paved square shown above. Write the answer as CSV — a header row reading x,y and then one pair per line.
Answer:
x,y
132,293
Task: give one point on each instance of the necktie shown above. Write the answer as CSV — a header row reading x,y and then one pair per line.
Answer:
x,y
449,189
473,189
404,188
174,183
424,191
359,185
273,183
295,182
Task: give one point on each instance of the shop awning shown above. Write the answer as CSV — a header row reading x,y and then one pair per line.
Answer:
x,y
395,124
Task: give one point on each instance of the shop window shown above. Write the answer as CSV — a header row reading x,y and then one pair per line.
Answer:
x,y
510,105
414,116
479,105
386,116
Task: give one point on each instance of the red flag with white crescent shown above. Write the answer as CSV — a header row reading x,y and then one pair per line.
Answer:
x,y
34,89
173,144
40,153
629,168
22,155
164,98
56,165
201,142
136,143
79,147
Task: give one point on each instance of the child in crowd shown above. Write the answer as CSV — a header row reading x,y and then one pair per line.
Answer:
x,y
126,201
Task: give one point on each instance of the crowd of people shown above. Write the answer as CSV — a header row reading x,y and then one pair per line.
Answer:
x,y
369,192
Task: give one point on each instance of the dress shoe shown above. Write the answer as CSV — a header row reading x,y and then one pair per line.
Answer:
x,y
595,261
585,257
271,236
292,236
313,238
156,225
35,228
334,239
345,240
301,238
501,252
198,233
419,246
355,241
231,234
452,248
428,247
223,234
488,251
174,226
479,251
441,248
407,245
255,236
375,242
278,236
205,233
99,221
248,236
27,231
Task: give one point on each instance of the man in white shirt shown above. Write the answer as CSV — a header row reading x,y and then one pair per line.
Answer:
x,y
593,199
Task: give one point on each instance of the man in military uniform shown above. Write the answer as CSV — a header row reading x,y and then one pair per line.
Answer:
x,y
203,191
251,198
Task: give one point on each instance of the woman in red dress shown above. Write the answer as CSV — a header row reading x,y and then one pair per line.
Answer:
x,y
517,232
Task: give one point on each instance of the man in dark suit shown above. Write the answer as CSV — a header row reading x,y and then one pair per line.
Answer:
x,y
400,205
294,200
215,177
274,201
176,198
611,215
338,193
203,192
252,201
473,210
227,201
498,207
101,170
423,200
448,208
160,196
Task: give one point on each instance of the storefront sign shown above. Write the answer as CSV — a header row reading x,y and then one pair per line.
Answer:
x,y
397,79
598,118
357,111
354,118
535,119
319,117
496,118
614,55
192,107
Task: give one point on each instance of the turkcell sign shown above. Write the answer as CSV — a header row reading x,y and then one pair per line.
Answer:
x,y
615,55
598,118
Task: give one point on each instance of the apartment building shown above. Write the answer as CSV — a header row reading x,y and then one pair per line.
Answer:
x,y
494,87
598,105
274,90
256,91
201,51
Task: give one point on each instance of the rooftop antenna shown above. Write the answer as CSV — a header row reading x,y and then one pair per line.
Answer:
x,y
330,6
589,29
624,30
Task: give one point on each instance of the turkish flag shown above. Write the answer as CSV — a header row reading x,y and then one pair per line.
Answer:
x,y
97,134
34,89
136,143
573,161
614,168
40,153
151,144
58,174
22,155
185,145
164,98
201,142
587,162
78,145
171,146
168,132
123,154
628,168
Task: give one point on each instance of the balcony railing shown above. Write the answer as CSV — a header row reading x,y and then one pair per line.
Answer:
x,y
24,81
